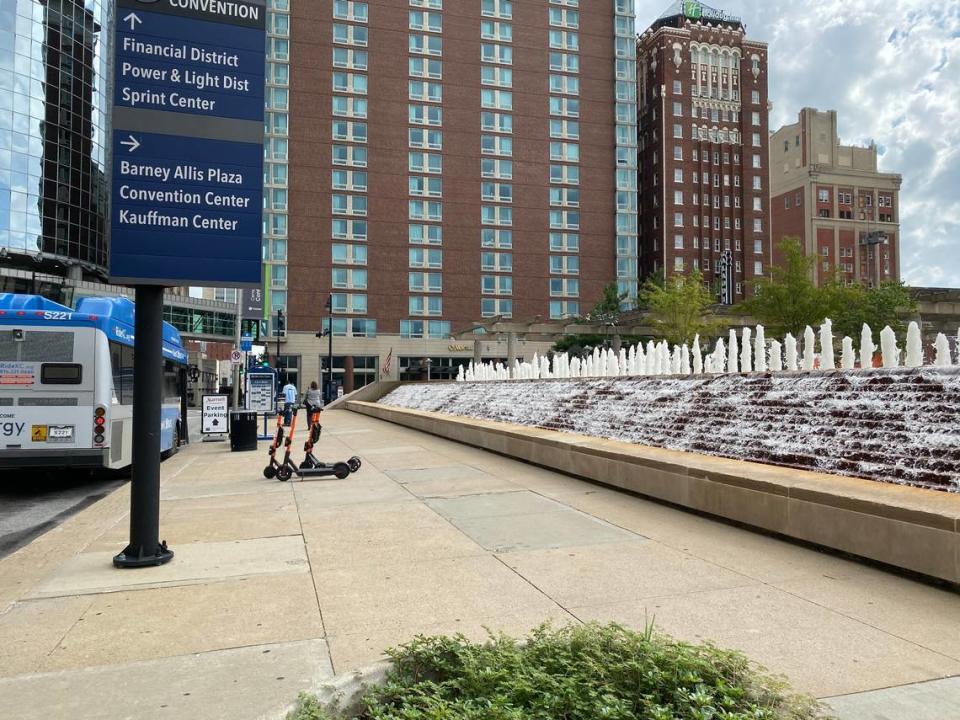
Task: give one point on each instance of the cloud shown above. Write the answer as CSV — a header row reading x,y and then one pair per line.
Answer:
x,y
891,70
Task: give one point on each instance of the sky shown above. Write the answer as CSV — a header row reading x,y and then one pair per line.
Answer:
x,y
891,70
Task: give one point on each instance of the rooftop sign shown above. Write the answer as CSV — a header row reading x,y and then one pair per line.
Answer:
x,y
698,11
188,142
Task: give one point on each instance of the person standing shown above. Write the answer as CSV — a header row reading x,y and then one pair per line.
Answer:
x,y
313,399
290,396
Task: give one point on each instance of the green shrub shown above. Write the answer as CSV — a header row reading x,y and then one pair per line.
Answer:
x,y
585,672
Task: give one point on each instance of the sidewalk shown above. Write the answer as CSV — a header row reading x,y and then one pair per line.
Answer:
x,y
276,587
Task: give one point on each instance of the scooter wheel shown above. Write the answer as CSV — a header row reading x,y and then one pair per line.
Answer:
x,y
341,470
283,473
269,472
354,463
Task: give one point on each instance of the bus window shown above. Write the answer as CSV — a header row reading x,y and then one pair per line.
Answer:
x,y
9,346
61,373
47,347
171,382
121,363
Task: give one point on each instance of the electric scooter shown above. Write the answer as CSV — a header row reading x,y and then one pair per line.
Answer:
x,y
270,471
311,467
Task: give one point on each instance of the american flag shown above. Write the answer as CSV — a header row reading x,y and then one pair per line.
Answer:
x,y
385,368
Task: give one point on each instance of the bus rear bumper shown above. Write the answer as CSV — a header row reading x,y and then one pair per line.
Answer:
x,y
85,458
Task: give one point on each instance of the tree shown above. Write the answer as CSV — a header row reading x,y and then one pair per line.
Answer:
x,y
679,307
877,307
789,300
606,312
608,306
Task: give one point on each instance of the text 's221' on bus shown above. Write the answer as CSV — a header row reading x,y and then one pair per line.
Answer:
x,y
66,383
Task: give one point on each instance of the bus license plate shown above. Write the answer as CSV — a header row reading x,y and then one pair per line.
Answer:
x,y
60,433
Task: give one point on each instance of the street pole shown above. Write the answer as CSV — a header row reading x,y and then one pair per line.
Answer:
x,y
277,359
145,547
236,344
330,349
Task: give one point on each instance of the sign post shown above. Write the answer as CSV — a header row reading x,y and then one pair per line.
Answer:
x,y
187,197
214,415
261,396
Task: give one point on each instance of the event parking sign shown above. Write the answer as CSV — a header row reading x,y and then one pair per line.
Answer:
x,y
187,191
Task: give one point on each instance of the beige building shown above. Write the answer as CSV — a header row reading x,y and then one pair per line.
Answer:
x,y
834,199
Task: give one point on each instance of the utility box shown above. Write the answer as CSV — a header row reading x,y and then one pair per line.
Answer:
x,y
243,431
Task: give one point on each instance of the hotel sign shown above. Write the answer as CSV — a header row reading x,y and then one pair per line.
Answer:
x,y
698,11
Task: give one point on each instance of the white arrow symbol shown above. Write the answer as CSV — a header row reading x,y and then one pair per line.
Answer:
x,y
133,19
132,143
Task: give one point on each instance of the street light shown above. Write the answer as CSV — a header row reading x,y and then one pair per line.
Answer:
x,y
279,321
328,395
428,362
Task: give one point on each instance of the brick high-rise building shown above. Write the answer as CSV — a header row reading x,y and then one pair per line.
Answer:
x,y
834,200
703,149
453,160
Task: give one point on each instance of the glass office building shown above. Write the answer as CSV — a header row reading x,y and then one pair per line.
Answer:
x,y
54,110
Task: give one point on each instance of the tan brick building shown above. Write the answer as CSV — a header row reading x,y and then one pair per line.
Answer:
x,y
832,197
703,149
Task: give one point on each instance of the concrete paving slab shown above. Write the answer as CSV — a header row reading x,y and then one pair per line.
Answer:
x,y
928,616
383,534
494,505
407,459
760,556
224,518
934,700
373,597
599,574
355,650
94,572
356,489
249,682
30,630
820,651
182,491
131,626
473,485
563,528
443,472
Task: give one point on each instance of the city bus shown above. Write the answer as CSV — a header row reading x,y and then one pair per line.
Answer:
x,y
66,383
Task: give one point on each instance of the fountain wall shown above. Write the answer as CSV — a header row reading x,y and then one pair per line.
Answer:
x,y
895,426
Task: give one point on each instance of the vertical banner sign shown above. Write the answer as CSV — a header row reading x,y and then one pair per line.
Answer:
x,y
252,304
187,193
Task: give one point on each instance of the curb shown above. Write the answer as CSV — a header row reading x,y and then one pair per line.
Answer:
x,y
344,691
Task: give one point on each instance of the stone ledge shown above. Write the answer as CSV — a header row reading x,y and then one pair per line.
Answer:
x,y
917,530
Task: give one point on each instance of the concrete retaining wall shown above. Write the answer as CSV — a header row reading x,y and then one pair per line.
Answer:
x,y
909,528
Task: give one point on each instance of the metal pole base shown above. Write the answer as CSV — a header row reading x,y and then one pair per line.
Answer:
x,y
134,557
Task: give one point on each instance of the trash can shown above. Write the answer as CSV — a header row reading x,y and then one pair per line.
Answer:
x,y
243,430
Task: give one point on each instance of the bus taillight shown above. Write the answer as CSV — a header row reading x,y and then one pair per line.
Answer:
x,y
99,425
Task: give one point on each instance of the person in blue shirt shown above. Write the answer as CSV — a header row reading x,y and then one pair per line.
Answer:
x,y
290,396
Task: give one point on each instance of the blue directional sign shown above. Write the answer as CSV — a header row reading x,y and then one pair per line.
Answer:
x,y
187,191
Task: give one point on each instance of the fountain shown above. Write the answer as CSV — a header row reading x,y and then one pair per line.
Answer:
x,y
914,346
732,353
790,347
697,356
760,349
942,347
827,361
776,360
867,348
888,348
848,359
746,356
809,351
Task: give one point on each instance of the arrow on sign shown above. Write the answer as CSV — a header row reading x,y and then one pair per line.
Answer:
x,y
133,19
132,143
